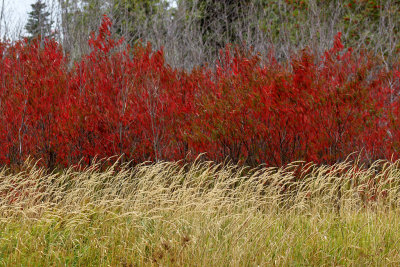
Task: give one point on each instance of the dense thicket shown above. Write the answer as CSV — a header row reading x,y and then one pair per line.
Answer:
x,y
118,100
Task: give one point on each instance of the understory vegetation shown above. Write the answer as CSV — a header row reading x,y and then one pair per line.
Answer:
x,y
200,214
118,100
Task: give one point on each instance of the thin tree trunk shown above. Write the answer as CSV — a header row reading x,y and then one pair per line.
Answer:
x,y
1,17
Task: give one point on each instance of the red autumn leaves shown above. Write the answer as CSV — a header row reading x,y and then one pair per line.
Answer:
x,y
127,101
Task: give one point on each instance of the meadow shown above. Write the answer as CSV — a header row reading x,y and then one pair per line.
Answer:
x,y
200,214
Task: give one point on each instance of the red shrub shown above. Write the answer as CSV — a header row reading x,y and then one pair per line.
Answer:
x,y
127,101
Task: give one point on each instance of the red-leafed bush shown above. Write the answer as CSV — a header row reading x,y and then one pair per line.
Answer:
x,y
119,100
317,110
32,90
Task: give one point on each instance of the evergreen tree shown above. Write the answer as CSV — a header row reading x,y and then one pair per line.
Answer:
x,y
38,21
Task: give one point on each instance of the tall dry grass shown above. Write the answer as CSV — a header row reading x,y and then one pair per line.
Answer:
x,y
201,214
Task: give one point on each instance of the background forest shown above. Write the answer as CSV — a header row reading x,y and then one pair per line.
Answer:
x,y
192,31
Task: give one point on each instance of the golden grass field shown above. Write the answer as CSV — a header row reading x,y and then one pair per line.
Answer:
x,y
201,214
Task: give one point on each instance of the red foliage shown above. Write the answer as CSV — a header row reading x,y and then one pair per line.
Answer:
x,y
127,101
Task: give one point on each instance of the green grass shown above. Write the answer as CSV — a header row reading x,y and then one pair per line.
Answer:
x,y
201,215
